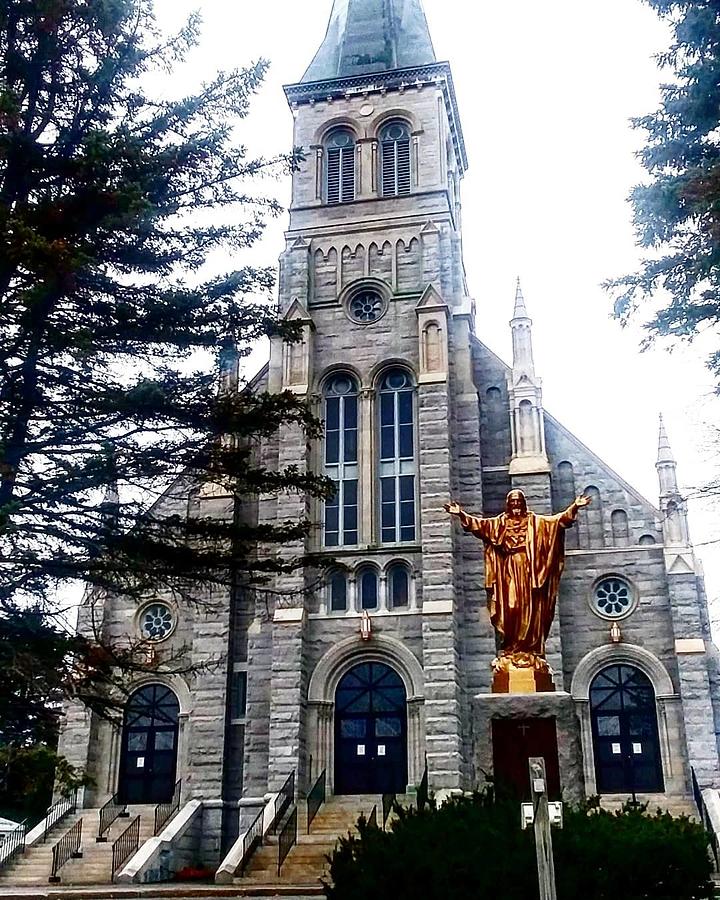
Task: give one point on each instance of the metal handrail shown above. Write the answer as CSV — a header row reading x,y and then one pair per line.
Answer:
x,y
287,838
422,791
126,845
316,798
372,820
705,819
109,812
13,844
57,812
388,801
165,811
68,847
284,799
253,839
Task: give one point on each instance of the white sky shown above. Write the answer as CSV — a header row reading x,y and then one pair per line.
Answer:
x,y
546,90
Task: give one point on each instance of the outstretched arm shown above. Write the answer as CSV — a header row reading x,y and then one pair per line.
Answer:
x,y
568,517
470,523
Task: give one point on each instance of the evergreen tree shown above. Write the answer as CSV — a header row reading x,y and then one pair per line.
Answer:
x,y
677,214
111,201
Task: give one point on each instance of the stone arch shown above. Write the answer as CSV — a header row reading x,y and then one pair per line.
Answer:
x,y
617,654
669,714
334,369
336,663
394,362
333,124
397,114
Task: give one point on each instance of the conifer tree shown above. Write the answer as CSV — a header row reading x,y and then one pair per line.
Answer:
x,y
112,198
677,214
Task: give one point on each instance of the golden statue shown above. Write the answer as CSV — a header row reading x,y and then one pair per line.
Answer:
x,y
524,559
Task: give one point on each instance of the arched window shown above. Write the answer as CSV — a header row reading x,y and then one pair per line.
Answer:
x,y
368,587
395,159
398,582
341,460
397,457
340,166
337,591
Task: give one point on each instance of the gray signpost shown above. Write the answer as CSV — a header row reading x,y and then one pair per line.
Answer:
x,y
543,836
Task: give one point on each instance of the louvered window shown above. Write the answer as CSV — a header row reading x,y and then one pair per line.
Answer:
x,y
395,159
340,167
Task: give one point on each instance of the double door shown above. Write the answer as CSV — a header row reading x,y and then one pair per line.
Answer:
x,y
148,759
370,732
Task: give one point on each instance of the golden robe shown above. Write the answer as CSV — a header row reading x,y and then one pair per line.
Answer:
x,y
524,559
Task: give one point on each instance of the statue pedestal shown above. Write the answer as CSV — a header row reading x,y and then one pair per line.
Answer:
x,y
522,681
508,729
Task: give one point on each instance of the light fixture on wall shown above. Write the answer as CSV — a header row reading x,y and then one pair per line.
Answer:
x,y
365,626
615,633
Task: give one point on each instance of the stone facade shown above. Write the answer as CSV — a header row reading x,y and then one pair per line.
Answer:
x,y
479,430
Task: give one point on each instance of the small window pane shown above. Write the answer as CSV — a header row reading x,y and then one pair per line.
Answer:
x,y
352,728
332,447
137,740
405,408
405,443
332,414
387,442
164,740
351,446
388,490
388,727
351,418
387,409
407,487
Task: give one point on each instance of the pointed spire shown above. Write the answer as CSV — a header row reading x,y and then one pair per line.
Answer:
x,y
110,503
520,307
523,363
365,36
229,361
665,454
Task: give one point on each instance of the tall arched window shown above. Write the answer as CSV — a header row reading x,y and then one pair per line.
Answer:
x,y
341,460
337,590
397,457
340,166
398,582
395,159
367,581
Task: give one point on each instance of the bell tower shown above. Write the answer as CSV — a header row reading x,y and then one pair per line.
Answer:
x,y
373,269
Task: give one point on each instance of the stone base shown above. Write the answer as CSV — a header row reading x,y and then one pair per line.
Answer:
x,y
522,681
558,706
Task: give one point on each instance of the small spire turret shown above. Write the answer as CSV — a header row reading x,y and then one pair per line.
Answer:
x,y
525,391
672,503
229,363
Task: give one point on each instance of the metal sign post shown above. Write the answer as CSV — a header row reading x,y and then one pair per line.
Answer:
x,y
543,836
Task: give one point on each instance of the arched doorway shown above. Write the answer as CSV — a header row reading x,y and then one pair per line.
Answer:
x,y
370,731
625,732
148,758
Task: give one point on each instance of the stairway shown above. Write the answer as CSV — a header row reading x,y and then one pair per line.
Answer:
x,y
33,868
673,804
306,863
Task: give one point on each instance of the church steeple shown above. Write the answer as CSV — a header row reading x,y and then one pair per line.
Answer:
x,y
521,324
672,503
366,36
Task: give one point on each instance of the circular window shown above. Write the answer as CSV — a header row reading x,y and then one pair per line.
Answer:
x,y
613,598
156,622
366,306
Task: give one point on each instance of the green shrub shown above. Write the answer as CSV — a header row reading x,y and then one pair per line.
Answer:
x,y
473,847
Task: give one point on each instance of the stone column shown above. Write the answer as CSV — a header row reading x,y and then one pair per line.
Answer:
x,y
443,714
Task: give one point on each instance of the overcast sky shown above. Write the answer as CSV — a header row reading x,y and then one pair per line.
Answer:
x,y
546,91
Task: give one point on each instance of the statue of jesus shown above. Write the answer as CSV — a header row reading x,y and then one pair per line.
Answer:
x,y
524,559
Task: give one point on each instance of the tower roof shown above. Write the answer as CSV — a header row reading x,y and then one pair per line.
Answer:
x,y
665,454
520,311
366,36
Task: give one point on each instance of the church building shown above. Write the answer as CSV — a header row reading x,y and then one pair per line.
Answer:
x,y
373,667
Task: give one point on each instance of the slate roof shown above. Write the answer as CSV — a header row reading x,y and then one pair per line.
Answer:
x,y
366,36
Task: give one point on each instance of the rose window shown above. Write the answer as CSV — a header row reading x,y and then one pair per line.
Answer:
x,y
366,307
613,598
156,622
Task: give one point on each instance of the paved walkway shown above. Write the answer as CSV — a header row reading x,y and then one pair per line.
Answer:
x,y
160,892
